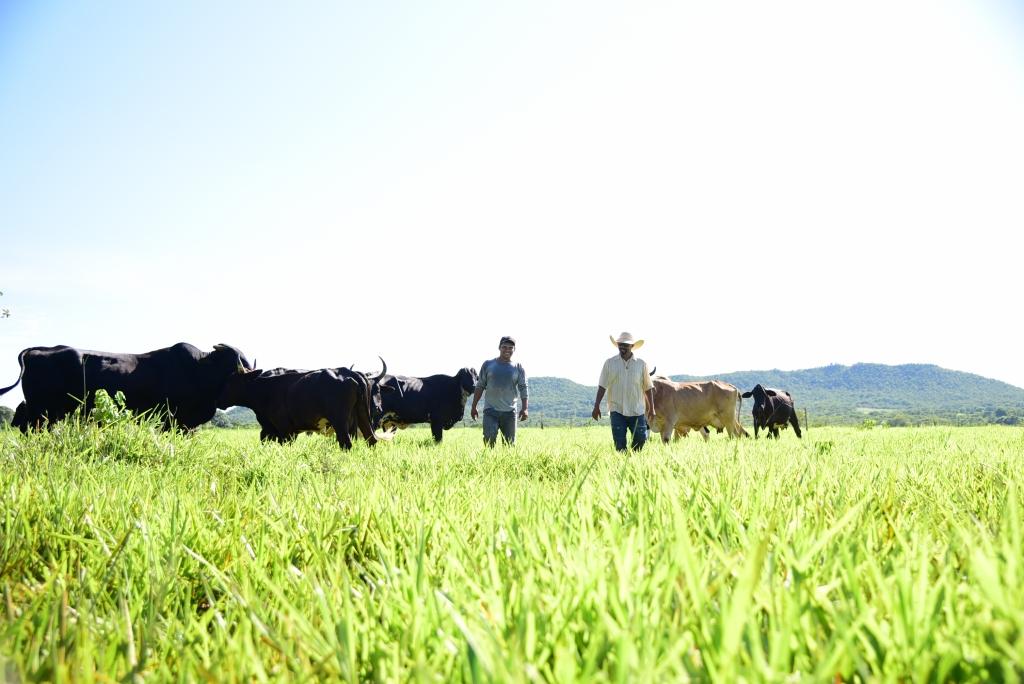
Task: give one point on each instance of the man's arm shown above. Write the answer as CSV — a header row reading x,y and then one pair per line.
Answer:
x,y
648,388
596,413
524,395
477,393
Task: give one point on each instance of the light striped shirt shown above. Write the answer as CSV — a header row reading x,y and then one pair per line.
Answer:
x,y
625,383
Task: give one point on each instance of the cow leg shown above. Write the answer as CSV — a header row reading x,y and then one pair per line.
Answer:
x,y
340,418
39,420
22,418
663,425
756,427
25,418
436,429
734,429
340,423
267,432
795,424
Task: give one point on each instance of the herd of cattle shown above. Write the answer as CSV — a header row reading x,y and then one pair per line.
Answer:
x,y
186,386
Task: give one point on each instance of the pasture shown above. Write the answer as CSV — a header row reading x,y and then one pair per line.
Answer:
x,y
887,554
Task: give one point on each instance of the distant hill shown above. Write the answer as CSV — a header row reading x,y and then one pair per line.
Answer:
x,y
236,416
910,394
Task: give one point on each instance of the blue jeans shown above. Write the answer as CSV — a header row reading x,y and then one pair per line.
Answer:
x,y
635,424
505,420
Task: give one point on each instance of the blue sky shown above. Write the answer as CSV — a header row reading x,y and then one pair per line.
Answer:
x,y
744,185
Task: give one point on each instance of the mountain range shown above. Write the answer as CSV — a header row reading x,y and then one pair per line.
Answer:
x,y
908,394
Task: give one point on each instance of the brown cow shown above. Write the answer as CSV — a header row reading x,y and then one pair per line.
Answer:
x,y
685,406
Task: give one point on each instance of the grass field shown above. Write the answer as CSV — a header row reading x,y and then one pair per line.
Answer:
x,y
885,554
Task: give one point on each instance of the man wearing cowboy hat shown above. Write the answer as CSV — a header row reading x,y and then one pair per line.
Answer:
x,y
630,393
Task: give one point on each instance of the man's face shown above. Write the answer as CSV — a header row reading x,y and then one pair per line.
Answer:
x,y
625,350
505,351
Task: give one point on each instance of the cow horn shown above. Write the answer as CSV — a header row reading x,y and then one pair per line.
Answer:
x,y
384,435
383,372
652,371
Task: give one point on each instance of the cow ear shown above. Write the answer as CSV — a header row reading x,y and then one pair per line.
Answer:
x,y
746,395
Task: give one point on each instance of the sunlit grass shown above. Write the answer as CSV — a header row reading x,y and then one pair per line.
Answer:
x,y
868,554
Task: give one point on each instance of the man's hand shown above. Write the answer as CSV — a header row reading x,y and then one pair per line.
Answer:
x,y
523,415
596,413
473,413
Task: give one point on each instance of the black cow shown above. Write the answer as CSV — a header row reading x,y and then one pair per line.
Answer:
x,y
378,389
180,382
437,399
773,408
289,402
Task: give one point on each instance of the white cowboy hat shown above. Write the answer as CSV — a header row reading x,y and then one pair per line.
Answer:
x,y
626,338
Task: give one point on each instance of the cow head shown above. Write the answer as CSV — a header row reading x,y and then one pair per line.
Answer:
x,y
467,378
218,366
391,384
377,385
235,390
225,356
759,393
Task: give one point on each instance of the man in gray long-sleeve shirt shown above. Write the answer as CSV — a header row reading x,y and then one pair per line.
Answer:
x,y
502,380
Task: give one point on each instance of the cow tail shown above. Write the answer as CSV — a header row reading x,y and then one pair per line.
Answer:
x,y
21,372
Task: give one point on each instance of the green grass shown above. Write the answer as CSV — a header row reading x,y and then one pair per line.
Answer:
x,y
887,554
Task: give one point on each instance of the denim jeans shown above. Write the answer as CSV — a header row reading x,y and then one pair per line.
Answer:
x,y
505,420
637,425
